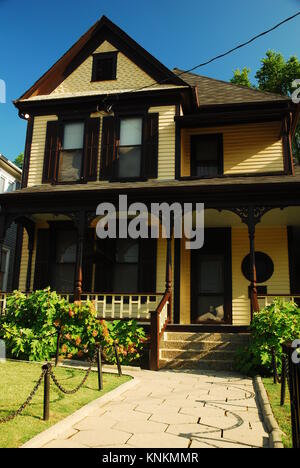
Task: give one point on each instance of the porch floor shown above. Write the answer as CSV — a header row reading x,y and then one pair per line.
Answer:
x,y
177,409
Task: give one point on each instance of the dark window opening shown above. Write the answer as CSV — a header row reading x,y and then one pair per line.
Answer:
x,y
71,153
263,264
206,155
104,66
63,266
294,258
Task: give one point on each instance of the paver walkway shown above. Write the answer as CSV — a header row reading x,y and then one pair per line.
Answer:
x,y
177,409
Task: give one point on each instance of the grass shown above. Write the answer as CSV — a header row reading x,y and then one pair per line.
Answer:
x,y
282,413
18,379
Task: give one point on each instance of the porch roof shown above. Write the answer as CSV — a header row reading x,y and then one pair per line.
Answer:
x,y
274,184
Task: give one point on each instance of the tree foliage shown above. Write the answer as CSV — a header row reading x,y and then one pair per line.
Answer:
x,y
276,75
19,161
241,78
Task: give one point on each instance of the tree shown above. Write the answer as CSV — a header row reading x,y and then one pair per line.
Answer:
x,y
19,161
241,78
276,75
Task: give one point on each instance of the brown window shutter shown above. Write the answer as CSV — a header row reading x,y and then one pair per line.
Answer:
x,y
88,261
42,263
147,265
51,152
108,147
151,146
91,149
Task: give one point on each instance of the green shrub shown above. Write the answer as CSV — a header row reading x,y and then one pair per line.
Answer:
x,y
30,326
130,339
274,325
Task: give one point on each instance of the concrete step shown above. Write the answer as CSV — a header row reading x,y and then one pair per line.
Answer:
x,y
197,355
196,364
198,337
202,345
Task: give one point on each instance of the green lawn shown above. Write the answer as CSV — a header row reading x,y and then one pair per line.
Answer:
x,y
281,413
18,379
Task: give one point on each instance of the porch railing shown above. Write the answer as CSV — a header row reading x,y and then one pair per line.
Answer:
x,y
124,306
267,299
112,306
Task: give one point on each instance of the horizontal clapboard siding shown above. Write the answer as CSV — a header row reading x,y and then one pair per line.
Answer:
x,y
273,242
250,148
166,148
38,149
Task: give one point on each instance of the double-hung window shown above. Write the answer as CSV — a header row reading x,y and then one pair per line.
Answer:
x,y
126,268
63,266
129,160
207,155
71,154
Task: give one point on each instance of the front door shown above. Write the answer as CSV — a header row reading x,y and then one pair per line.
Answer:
x,y
211,286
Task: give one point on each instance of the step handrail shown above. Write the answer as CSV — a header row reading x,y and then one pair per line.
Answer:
x,y
159,321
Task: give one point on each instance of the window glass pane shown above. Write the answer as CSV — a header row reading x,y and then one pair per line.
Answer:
x,y
211,275
3,261
129,163
207,149
73,135
2,184
207,170
210,308
11,187
127,251
126,278
104,69
131,132
69,166
66,247
63,277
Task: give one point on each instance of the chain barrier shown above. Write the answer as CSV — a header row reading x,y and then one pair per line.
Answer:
x,y
75,390
26,403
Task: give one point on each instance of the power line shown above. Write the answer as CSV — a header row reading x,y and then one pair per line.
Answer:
x,y
221,55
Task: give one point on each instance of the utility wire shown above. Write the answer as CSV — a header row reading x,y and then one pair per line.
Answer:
x,y
221,55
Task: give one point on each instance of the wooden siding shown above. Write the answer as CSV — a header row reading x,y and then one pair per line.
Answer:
x,y
38,149
166,148
273,242
129,76
249,148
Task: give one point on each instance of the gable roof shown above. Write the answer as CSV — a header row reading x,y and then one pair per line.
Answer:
x,y
102,30
214,92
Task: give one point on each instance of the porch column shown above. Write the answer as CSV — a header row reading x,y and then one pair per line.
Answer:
x,y
31,236
169,268
79,256
5,223
253,285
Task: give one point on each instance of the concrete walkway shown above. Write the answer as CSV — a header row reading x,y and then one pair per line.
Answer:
x,y
175,409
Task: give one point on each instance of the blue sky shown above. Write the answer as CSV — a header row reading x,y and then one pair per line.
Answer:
x,y
180,34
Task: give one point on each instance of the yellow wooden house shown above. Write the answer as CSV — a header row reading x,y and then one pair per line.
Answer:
x,y
109,119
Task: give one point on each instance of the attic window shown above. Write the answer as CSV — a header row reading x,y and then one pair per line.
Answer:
x,y
104,66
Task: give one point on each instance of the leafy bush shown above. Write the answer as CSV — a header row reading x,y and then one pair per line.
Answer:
x,y
274,325
30,327
130,339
